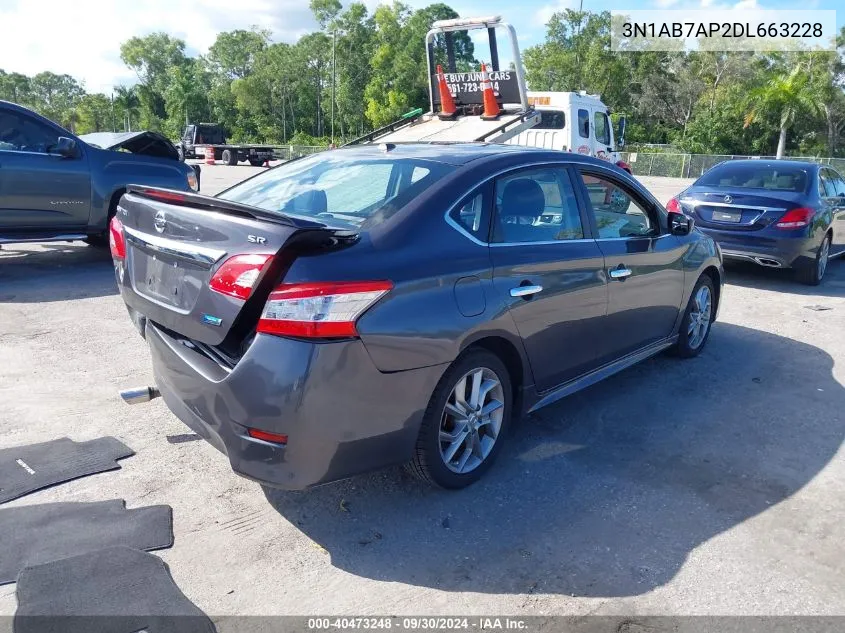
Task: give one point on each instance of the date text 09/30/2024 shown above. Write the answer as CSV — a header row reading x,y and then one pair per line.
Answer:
x,y
417,623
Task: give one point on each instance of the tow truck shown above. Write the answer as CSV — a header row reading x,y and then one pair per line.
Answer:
x,y
567,121
467,122
200,139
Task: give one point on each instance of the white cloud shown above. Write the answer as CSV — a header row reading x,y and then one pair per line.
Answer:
x,y
82,38
544,13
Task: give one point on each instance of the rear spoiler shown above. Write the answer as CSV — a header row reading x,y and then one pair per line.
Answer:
x,y
200,201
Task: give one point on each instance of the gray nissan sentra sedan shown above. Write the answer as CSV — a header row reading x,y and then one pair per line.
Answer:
x,y
402,303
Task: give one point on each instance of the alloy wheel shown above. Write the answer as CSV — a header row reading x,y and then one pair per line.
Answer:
x,y
824,253
471,420
700,314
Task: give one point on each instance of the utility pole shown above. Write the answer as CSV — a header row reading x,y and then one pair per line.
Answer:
x,y
334,40
113,123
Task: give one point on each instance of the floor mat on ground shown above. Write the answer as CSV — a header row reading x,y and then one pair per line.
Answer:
x,y
25,469
38,534
114,590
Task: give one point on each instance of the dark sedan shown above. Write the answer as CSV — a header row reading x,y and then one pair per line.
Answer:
x,y
404,303
779,214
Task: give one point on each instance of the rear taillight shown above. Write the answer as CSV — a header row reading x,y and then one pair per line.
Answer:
x,y
238,274
117,243
795,218
674,206
320,310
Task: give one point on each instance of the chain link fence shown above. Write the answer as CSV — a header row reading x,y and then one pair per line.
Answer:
x,y
694,165
289,152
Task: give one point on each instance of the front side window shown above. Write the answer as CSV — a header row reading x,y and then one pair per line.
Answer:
x,y
359,191
602,128
23,134
536,205
617,213
838,183
583,123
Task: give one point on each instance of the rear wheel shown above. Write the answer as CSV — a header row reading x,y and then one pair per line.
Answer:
x,y
695,328
813,274
465,422
256,162
230,157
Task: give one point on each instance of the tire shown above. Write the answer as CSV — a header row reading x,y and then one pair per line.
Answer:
x,y
469,459
813,274
691,340
256,162
229,157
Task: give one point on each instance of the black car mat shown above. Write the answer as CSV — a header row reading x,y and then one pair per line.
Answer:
x,y
38,534
25,469
114,590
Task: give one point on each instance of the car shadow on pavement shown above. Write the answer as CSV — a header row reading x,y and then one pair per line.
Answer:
x,y
607,492
32,273
750,275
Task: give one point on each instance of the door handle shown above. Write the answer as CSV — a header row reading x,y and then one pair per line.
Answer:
x,y
525,291
620,273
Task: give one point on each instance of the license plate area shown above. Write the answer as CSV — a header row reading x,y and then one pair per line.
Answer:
x,y
167,281
727,216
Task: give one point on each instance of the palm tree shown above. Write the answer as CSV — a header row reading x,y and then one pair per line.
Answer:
x,y
788,95
126,99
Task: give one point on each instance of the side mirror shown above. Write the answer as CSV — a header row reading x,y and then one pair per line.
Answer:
x,y
620,137
680,224
65,147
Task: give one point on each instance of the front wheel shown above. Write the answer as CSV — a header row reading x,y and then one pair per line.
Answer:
x,y
695,328
465,422
256,162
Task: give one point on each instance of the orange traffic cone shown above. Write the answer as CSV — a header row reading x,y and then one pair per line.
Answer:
x,y
491,107
209,155
447,103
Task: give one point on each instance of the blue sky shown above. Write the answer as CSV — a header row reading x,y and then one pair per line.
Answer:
x,y
91,30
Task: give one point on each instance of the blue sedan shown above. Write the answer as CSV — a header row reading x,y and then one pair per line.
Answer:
x,y
779,214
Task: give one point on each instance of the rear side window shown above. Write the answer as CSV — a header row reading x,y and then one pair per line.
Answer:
x,y
551,120
827,186
360,192
838,183
536,205
583,123
750,176
469,215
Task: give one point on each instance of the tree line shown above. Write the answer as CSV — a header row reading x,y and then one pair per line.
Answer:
x,y
374,65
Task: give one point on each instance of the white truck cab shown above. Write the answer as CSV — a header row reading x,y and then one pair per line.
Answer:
x,y
573,122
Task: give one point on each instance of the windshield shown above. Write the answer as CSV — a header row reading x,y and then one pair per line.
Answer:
x,y
746,176
358,192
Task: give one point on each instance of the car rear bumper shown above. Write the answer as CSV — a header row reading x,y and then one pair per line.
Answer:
x,y
773,252
341,415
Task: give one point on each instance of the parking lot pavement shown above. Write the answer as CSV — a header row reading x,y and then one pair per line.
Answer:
x,y
709,486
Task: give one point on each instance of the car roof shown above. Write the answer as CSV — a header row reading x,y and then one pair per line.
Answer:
x,y
461,153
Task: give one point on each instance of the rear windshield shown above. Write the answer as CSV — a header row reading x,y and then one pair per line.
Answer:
x,y
756,177
327,186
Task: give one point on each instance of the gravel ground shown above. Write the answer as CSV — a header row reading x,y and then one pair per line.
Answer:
x,y
709,486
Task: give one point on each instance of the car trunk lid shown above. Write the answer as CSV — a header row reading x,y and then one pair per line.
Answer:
x,y
737,211
176,243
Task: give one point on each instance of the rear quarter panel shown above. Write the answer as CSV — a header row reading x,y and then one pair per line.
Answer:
x,y
442,300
